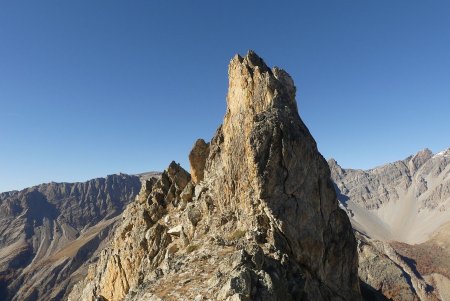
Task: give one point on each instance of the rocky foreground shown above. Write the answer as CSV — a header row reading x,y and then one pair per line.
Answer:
x,y
257,218
51,232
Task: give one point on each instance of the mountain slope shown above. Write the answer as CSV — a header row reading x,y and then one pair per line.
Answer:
x,y
405,201
401,215
431,259
50,231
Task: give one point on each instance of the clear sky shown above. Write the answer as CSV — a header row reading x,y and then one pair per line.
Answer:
x,y
90,88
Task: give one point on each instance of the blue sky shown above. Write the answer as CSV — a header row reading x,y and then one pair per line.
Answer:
x,y
90,88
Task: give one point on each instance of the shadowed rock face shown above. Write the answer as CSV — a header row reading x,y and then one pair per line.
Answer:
x,y
51,231
261,222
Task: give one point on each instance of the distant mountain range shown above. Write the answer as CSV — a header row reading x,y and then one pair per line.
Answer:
x,y
401,214
50,232
258,218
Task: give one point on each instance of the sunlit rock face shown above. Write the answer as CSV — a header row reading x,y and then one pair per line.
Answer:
x,y
259,220
265,167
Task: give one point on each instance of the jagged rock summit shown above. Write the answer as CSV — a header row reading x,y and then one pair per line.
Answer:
x,y
258,221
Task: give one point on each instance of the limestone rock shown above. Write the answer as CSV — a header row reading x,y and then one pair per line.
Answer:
x,y
194,215
264,162
140,242
263,224
188,192
176,230
197,159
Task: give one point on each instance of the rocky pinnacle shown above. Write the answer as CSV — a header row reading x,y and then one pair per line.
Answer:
x,y
264,166
258,220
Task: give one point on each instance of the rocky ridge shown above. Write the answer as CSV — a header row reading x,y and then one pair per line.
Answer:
x,y
258,219
385,273
50,233
405,201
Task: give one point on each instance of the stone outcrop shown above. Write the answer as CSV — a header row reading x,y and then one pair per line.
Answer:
x,y
197,159
259,220
140,242
50,232
265,169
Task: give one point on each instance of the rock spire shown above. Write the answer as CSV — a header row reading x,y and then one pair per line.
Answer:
x,y
259,220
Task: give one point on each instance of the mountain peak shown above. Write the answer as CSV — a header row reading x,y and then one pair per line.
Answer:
x,y
424,153
260,206
251,60
420,158
254,88
263,163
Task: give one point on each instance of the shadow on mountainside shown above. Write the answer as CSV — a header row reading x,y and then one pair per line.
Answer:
x,y
343,199
371,294
38,207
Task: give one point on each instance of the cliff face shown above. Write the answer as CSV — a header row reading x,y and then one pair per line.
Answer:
x,y
51,231
258,221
